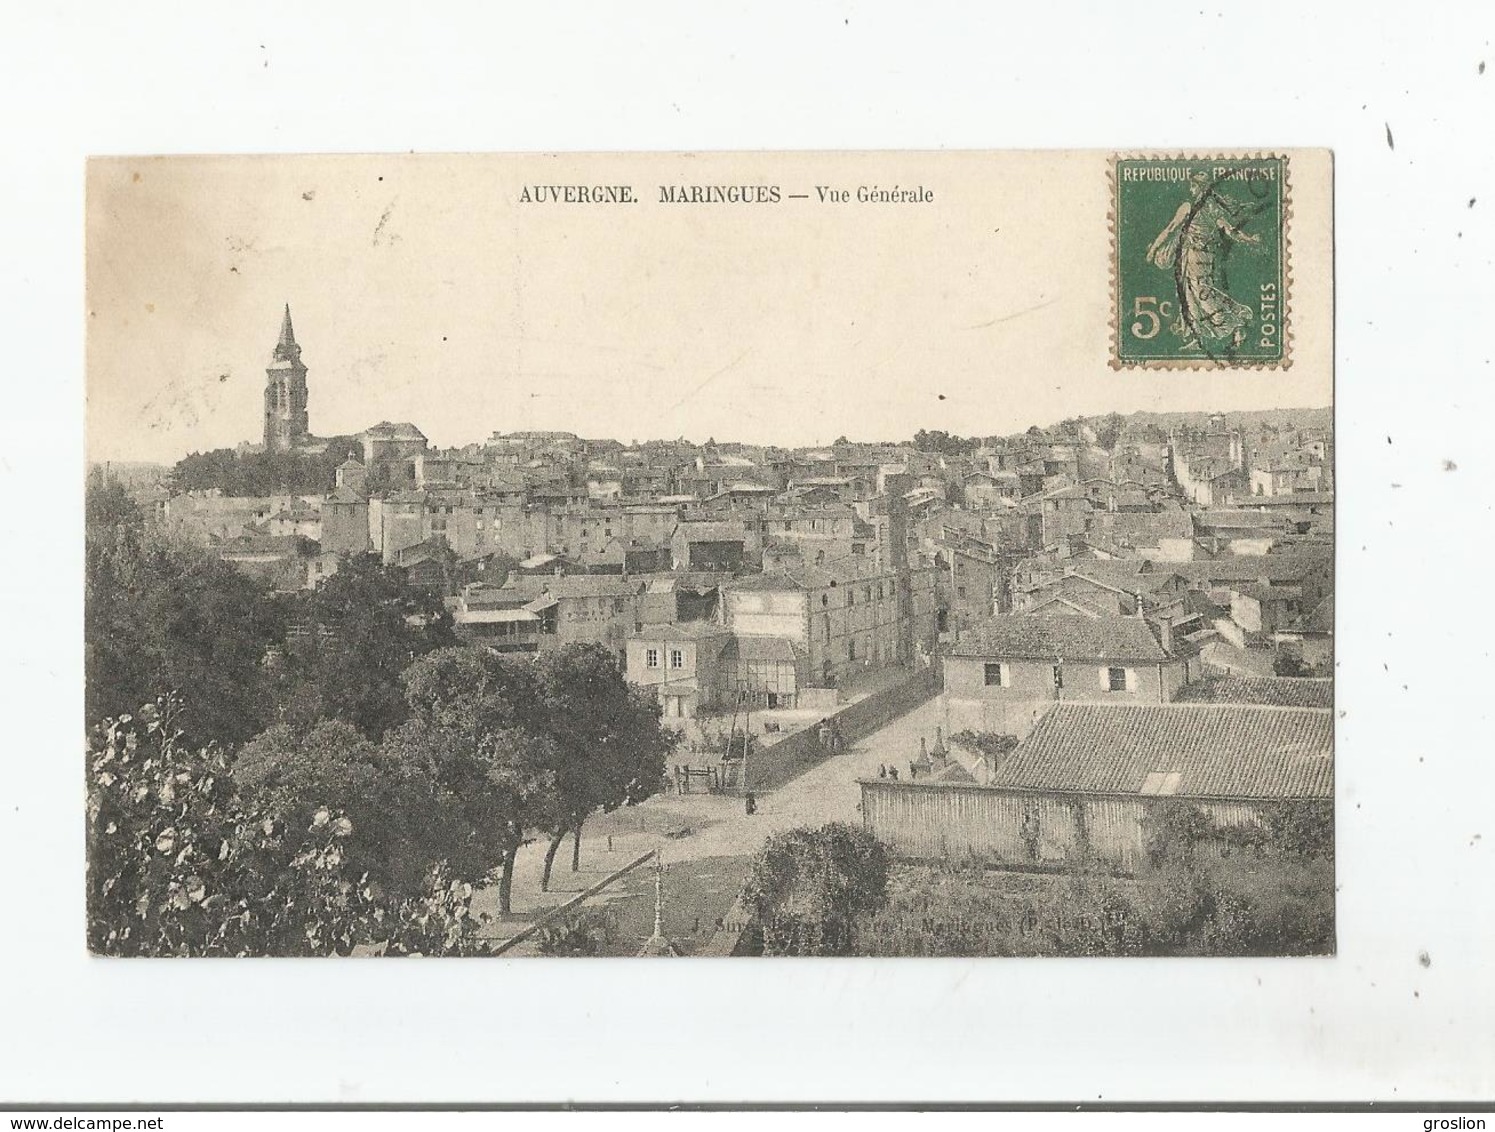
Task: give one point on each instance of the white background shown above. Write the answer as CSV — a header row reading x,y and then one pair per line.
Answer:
x,y
1417,842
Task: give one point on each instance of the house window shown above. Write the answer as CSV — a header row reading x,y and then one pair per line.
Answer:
x,y
851,650
997,676
1116,679
651,658
1058,676
851,597
677,658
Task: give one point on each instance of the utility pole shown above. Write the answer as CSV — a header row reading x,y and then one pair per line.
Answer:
x,y
746,743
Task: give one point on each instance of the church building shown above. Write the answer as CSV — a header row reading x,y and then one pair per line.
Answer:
x,y
286,425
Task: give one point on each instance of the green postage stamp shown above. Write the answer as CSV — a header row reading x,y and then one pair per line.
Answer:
x,y
1200,262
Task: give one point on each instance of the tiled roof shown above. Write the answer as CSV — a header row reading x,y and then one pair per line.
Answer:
x,y
681,631
771,581
1262,691
697,581
1254,568
260,544
746,647
953,773
1239,517
1058,637
1124,574
1144,528
1079,603
1295,499
401,430
1322,617
592,585
847,570
1215,750
725,530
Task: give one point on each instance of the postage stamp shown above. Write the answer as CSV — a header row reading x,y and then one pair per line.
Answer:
x,y
1200,262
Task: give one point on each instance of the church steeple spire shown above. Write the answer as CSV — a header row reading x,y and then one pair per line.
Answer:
x,y
286,349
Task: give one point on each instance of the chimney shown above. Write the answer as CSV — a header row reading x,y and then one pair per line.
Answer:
x,y
1165,632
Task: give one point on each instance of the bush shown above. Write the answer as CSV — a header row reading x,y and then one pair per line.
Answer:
x,y
1278,906
992,744
585,933
809,888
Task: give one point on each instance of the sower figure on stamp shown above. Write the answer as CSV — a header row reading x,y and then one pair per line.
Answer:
x,y
1195,245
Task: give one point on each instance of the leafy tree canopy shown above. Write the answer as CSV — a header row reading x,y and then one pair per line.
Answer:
x,y
263,473
473,730
179,864
943,443
404,824
354,637
610,749
809,887
160,612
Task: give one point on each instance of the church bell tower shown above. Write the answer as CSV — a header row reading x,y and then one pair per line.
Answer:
x,y
285,393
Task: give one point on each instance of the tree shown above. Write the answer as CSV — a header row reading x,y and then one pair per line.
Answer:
x,y
403,825
106,503
609,746
360,630
179,864
808,887
159,613
472,732
1286,664
262,473
1108,431
939,441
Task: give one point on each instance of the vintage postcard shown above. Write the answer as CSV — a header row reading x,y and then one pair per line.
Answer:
x,y
732,554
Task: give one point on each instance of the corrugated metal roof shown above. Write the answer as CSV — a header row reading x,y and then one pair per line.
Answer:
x,y
1217,750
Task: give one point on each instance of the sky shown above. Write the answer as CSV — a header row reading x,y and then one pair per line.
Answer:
x,y
422,289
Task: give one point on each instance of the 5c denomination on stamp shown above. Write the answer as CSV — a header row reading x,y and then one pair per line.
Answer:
x,y
1199,263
